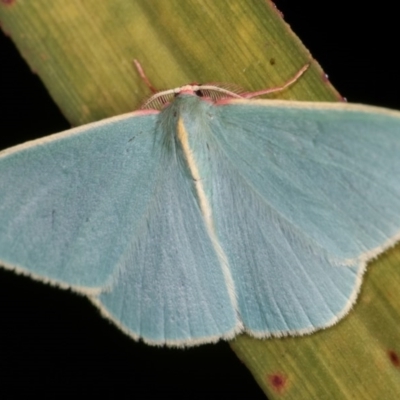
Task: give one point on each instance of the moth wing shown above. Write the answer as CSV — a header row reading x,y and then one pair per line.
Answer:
x,y
169,287
297,216
330,169
68,201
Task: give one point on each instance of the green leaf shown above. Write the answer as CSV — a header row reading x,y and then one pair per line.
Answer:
x,y
84,50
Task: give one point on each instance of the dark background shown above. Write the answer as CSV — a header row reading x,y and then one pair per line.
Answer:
x,y
55,343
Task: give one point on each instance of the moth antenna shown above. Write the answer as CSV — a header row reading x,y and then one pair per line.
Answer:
x,y
290,82
144,77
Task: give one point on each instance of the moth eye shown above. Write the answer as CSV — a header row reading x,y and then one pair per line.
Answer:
x,y
199,93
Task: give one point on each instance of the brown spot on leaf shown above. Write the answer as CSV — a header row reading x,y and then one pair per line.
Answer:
x,y
272,61
394,358
8,2
278,382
